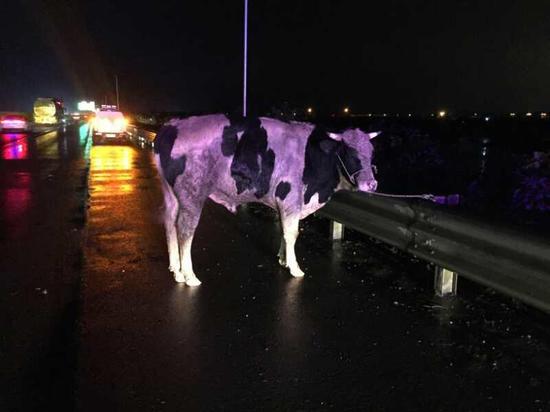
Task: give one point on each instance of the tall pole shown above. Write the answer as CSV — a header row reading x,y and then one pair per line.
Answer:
x,y
116,86
245,54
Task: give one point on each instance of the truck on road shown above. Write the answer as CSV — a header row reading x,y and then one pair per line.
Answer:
x,y
48,111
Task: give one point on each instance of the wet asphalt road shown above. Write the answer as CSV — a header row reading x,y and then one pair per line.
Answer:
x,y
362,330
42,215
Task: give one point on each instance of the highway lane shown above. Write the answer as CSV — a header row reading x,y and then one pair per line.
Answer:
x,y
362,330
42,211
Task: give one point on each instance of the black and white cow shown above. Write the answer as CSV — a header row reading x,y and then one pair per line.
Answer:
x,y
293,168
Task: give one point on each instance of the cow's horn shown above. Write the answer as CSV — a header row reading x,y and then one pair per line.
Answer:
x,y
335,136
372,135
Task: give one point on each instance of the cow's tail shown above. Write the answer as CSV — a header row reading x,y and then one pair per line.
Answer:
x,y
157,160
163,144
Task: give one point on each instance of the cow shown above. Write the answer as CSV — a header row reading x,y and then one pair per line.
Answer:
x,y
292,167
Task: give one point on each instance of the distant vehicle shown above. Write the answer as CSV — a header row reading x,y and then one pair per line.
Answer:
x,y
48,111
86,115
82,115
85,106
14,122
109,125
108,108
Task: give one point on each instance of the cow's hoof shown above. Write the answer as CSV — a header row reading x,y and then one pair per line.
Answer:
x,y
297,272
179,277
192,281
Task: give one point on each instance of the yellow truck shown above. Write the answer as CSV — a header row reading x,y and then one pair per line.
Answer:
x,y
48,111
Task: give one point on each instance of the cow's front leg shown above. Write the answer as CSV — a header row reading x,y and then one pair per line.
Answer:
x,y
187,223
290,232
187,274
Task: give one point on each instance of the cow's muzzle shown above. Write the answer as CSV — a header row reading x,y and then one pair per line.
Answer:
x,y
368,186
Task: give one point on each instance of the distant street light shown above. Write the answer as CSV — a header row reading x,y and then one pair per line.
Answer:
x,y
442,113
346,110
529,114
309,110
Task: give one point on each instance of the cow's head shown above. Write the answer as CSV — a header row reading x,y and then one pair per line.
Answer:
x,y
354,158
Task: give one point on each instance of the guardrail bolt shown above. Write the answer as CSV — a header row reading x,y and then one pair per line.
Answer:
x,y
336,230
445,281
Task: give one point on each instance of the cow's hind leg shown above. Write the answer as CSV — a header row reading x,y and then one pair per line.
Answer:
x,y
282,248
290,233
188,219
282,252
170,215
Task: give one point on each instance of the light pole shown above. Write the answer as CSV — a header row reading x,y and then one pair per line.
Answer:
x,y
245,54
116,87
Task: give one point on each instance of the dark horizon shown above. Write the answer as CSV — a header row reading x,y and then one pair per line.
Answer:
x,y
420,56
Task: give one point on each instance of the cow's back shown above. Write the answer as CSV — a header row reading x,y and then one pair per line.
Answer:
x,y
242,160
197,133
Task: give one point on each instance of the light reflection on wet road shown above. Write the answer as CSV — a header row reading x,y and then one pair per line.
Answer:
x,y
28,165
362,330
112,173
15,146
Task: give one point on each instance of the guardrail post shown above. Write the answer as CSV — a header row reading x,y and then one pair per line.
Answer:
x,y
336,230
445,281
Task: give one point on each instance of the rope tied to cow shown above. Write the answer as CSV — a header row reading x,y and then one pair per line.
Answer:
x,y
453,199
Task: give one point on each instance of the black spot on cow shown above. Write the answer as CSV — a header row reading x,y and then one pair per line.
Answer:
x,y
282,190
164,142
230,140
253,163
351,161
322,166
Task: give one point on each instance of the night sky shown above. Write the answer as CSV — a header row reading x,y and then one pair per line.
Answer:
x,y
415,55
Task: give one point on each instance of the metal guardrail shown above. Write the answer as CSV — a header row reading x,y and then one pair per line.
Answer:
x,y
140,134
511,262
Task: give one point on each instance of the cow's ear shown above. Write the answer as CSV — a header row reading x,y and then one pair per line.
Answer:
x,y
329,145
